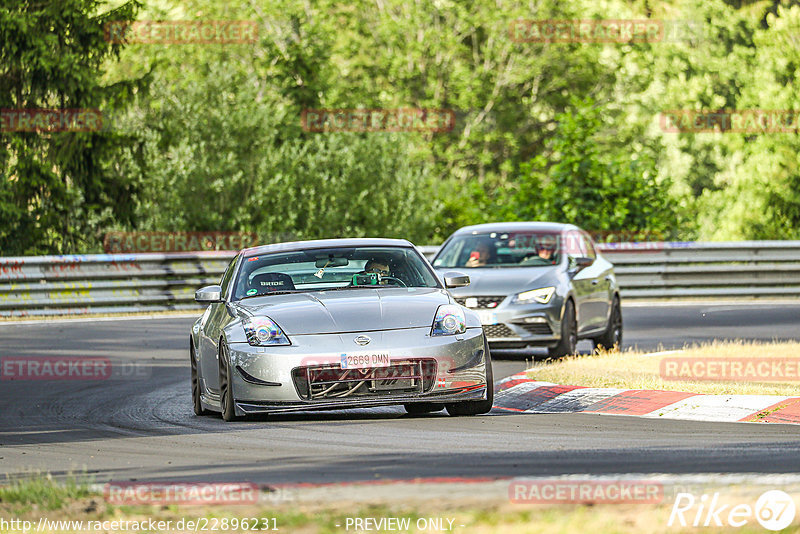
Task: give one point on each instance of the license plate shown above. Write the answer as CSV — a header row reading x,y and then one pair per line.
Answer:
x,y
365,361
487,317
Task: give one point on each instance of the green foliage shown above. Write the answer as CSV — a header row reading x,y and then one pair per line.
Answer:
x,y
226,152
577,181
57,189
758,193
208,137
42,491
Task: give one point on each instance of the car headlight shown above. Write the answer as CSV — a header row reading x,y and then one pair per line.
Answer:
x,y
263,331
541,295
449,320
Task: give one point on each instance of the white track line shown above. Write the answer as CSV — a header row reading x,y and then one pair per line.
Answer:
x,y
722,408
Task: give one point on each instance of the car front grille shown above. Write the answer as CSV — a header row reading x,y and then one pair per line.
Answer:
x,y
498,331
332,382
483,302
538,329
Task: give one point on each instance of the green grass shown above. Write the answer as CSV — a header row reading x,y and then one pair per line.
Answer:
x,y
483,514
43,491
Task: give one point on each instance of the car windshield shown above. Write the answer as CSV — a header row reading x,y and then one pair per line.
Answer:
x,y
332,269
502,249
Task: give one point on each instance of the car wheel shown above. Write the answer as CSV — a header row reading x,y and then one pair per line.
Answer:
x,y
612,337
225,385
198,406
477,407
417,408
569,334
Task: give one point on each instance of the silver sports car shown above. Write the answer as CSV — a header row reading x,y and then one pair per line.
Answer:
x,y
536,284
332,324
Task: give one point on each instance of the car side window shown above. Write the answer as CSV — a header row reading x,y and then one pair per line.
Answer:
x,y
574,245
588,246
225,281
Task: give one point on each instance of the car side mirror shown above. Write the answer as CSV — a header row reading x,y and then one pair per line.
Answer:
x,y
455,279
208,294
577,264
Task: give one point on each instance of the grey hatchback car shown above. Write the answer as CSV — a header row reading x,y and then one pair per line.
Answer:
x,y
535,284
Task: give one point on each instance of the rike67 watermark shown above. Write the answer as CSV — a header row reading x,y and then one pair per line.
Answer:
x,y
774,510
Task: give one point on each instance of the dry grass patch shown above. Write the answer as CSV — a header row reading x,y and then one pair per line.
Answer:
x,y
638,370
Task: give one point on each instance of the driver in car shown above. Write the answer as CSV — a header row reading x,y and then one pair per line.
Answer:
x,y
547,248
377,267
374,266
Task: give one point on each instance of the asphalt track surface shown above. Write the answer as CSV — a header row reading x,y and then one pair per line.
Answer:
x,y
143,428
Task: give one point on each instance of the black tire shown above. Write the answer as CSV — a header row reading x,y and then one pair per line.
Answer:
x,y
482,406
567,345
197,405
612,337
225,390
417,408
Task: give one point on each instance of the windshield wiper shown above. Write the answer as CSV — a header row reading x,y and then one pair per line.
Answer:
x,y
342,287
270,293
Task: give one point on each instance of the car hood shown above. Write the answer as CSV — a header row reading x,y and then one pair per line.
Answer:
x,y
505,280
349,310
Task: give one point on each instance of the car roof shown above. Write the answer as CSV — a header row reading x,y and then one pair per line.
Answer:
x,y
326,243
515,227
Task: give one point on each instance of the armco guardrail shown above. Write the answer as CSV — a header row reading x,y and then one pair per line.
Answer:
x,y
696,269
111,283
106,283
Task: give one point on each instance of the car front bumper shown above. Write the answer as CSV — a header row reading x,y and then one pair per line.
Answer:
x,y
520,325
271,379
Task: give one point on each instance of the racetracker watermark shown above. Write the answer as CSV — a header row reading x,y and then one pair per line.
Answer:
x,y
586,31
626,236
150,524
50,120
167,32
186,493
71,368
585,491
617,31
734,369
122,242
774,510
378,120
747,121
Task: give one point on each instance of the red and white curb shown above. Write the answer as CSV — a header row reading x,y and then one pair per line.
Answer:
x,y
520,394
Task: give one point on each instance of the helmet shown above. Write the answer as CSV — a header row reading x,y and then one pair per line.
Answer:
x,y
547,242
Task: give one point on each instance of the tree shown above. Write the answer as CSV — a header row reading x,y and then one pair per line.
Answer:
x,y
579,181
58,188
224,150
757,194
